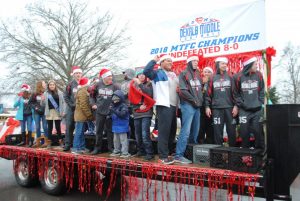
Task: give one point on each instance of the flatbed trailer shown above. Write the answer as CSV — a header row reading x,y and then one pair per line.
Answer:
x,y
58,171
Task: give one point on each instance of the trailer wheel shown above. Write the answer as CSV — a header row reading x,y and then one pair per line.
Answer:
x,y
22,173
51,182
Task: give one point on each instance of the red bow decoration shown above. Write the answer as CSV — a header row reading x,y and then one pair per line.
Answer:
x,y
270,52
247,160
135,96
12,124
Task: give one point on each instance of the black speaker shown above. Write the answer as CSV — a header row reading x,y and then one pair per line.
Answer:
x,y
283,144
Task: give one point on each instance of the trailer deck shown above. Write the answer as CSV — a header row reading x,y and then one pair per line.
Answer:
x,y
53,166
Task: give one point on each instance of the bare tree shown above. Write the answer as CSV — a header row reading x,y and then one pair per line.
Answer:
x,y
46,43
289,63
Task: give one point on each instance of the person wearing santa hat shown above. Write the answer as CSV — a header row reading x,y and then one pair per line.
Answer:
x,y
249,94
219,103
83,113
24,114
207,73
206,134
100,100
69,96
191,99
164,82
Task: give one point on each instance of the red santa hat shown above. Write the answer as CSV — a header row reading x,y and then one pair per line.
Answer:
x,y
104,73
221,59
84,81
192,57
164,57
209,69
76,69
248,60
25,87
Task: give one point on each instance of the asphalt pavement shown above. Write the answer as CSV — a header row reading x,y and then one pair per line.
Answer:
x,y
11,191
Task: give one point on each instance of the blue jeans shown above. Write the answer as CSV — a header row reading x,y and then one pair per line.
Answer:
x,y
91,126
79,140
38,119
142,135
27,121
189,127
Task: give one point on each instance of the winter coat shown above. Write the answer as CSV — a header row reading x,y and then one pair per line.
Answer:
x,y
101,96
160,83
190,87
69,95
37,104
83,111
120,115
61,104
146,88
22,107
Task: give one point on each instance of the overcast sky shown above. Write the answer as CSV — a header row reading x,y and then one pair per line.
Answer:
x,y
282,17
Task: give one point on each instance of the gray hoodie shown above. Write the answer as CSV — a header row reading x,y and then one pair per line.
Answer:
x,y
249,89
190,86
219,92
101,95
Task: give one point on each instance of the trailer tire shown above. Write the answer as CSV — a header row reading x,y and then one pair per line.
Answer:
x,y
22,173
51,181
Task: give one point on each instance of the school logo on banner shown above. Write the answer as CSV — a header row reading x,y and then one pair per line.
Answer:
x,y
200,28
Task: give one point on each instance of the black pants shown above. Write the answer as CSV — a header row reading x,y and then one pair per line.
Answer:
x,y
167,126
250,123
206,134
57,127
70,127
103,122
221,117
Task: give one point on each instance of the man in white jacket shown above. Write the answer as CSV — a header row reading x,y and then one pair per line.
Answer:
x,y
165,83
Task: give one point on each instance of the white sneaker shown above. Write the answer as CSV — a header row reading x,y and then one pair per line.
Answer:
x,y
115,154
125,155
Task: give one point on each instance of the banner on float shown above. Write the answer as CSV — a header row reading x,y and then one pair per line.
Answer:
x,y
228,31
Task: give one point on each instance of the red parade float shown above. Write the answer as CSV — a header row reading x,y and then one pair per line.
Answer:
x,y
57,170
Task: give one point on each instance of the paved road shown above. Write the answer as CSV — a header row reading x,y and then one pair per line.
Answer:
x,y
11,191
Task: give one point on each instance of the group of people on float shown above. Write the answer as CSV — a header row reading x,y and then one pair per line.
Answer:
x,y
206,102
